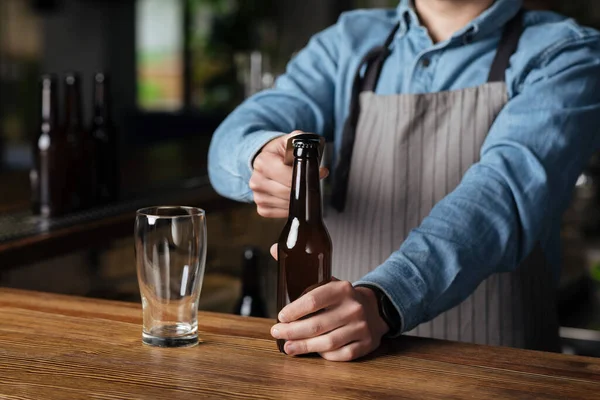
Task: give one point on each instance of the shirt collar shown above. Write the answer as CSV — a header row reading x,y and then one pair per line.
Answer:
x,y
407,15
490,20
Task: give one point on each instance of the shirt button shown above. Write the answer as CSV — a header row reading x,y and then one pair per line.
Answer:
x,y
426,62
468,36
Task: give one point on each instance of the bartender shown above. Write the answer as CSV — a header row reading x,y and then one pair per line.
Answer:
x,y
459,129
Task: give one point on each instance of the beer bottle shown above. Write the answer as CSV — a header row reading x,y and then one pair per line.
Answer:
x,y
48,175
251,303
304,247
104,135
79,183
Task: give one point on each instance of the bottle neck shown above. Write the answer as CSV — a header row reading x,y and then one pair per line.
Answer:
x,y
305,200
101,103
73,105
49,106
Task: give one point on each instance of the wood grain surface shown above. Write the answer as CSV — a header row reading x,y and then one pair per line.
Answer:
x,y
61,347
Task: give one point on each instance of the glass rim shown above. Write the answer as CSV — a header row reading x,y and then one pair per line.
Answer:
x,y
151,212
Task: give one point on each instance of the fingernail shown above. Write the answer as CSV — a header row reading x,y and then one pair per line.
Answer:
x,y
290,348
281,317
275,333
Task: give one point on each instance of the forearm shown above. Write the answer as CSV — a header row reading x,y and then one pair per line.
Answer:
x,y
529,163
303,99
469,235
231,151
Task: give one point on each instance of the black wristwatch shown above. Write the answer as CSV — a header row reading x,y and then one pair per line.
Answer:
x,y
387,311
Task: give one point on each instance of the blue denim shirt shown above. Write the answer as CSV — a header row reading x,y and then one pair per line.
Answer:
x,y
510,200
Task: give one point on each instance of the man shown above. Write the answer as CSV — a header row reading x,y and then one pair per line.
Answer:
x,y
457,142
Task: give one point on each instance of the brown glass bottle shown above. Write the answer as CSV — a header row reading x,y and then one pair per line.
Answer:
x,y
104,135
304,254
79,182
48,175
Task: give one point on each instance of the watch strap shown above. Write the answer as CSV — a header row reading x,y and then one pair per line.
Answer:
x,y
387,311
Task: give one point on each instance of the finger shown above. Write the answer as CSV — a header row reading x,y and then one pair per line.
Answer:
x,y
278,145
269,212
330,342
323,173
315,300
261,184
274,251
271,166
268,201
311,327
350,352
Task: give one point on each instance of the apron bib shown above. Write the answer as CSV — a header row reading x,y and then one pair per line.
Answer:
x,y
415,150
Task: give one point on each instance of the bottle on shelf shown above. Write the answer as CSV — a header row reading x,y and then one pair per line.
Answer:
x,y
50,146
105,144
79,180
251,302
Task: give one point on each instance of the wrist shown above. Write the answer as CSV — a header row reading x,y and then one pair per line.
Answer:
x,y
255,144
374,307
386,310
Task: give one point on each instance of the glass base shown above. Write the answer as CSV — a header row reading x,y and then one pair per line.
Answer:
x,y
167,339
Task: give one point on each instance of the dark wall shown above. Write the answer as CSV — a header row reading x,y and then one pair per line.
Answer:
x,y
93,35
299,20
74,41
89,36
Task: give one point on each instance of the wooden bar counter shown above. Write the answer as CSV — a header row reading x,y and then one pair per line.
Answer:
x,y
62,347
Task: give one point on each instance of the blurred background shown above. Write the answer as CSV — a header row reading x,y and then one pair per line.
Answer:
x,y
177,68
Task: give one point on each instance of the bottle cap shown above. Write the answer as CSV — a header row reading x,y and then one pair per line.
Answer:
x,y
71,78
303,141
305,145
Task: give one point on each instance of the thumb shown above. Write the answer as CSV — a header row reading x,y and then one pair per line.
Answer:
x,y
279,144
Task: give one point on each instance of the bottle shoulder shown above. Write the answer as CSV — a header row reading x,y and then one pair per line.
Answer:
x,y
295,235
104,132
310,225
49,140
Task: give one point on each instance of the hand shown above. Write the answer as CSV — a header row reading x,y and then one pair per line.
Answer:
x,y
271,179
348,327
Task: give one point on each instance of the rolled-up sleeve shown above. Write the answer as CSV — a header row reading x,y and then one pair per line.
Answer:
x,y
530,161
303,99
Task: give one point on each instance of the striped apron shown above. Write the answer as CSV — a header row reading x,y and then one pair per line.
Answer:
x,y
415,149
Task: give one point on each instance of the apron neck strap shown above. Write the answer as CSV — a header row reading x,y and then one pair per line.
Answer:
x,y
509,42
374,61
507,47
